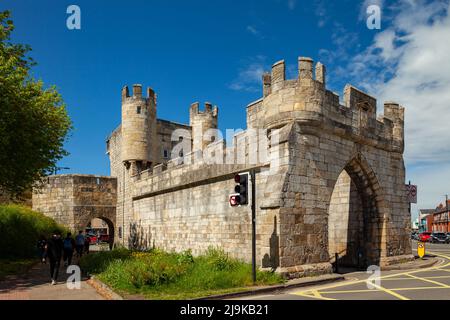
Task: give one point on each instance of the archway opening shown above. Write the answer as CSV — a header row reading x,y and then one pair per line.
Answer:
x,y
353,222
101,232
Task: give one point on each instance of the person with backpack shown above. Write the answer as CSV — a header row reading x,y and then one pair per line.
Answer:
x,y
54,250
87,244
42,242
79,242
69,246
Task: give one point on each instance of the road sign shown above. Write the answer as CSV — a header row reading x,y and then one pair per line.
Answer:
x,y
411,192
421,249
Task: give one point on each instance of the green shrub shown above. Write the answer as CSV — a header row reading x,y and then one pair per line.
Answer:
x,y
219,260
151,268
159,274
21,228
16,266
99,262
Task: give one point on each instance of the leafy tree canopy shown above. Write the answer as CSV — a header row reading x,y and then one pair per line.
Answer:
x,y
34,123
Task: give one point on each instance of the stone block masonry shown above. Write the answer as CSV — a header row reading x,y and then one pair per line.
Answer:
x,y
74,200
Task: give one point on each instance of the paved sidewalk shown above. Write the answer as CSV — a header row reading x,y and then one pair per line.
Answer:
x,y
35,285
417,263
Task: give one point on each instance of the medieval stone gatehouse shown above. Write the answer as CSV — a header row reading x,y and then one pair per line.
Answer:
x,y
329,177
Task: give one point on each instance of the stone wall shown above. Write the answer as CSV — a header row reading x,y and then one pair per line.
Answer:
x,y
163,141
185,206
74,200
23,199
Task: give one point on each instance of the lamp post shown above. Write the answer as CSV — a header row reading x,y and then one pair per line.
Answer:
x,y
56,169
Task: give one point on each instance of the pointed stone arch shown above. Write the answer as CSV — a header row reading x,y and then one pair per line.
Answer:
x,y
356,215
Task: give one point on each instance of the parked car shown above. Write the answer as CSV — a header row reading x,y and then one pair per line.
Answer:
x,y
439,237
414,236
425,236
104,238
92,238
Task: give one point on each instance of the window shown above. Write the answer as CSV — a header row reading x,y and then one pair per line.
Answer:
x,y
166,154
120,232
138,110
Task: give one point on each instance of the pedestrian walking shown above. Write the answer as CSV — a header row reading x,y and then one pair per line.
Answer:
x,y
42,242
87,244
79,243
54,249
69,247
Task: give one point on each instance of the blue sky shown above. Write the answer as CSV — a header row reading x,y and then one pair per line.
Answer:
x,y
216,51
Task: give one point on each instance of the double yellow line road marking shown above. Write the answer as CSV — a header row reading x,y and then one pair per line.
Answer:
x,y
409,275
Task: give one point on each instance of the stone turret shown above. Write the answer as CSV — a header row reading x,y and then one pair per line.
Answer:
x,y
201,122
138,128
396,113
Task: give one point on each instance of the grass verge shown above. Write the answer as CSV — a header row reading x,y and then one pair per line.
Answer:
x,y
156,274
20,229
12,267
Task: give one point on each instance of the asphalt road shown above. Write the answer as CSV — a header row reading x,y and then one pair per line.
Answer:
x,y
431,283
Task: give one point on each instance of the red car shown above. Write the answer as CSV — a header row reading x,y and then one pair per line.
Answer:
x,y
425,236
92,238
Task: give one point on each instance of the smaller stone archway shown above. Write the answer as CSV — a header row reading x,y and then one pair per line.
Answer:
x,y
110,229
84,215
355,217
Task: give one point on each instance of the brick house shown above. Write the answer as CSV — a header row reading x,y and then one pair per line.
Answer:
x,y
440,221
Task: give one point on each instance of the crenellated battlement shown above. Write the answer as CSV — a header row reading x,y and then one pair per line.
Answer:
x,y
201,122
307,100
209,110
137,94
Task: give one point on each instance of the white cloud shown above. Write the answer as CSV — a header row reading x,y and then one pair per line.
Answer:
x,y
432,184
409,63
250,77
253,30
291,4
321,12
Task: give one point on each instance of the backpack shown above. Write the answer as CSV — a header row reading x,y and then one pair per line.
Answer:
x,y
79,240
68,244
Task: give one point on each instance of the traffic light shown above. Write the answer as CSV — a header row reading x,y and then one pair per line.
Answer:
x,y
240,197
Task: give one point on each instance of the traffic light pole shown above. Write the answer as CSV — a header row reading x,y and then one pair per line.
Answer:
x,y
252,176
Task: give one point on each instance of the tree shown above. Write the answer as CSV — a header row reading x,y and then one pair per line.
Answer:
x,y
34,123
